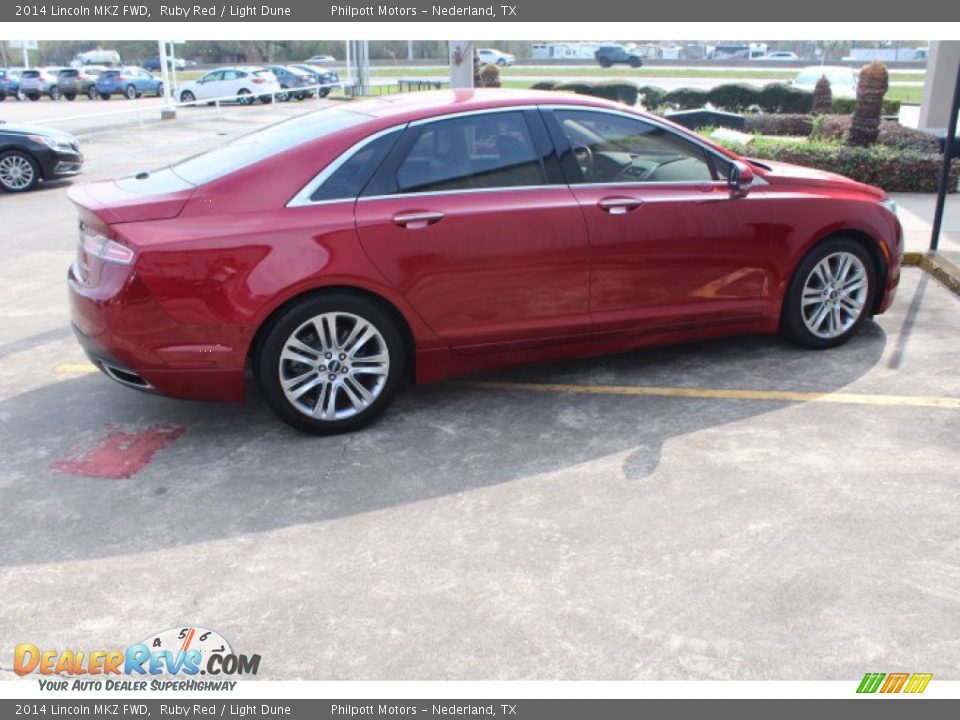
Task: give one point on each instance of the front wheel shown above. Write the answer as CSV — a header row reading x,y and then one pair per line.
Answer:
x,y
70,96
104,96
160,90
54,93
830,294
18,171
331,363
245,98
131,92
92,93
187,97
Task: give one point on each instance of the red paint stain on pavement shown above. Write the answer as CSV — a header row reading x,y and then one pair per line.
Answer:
x,y
119,455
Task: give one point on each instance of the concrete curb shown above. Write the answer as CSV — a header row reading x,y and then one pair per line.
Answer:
x,y
938,266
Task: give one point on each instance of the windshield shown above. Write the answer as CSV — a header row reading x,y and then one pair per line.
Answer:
x,y
262,144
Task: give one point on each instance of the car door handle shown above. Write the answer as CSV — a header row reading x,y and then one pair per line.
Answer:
x,y
619,205
417,220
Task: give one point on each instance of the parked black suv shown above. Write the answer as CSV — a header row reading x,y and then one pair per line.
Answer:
x,y
609,55
29,154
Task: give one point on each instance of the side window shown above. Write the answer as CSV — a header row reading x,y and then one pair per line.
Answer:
x,y
613,148
478,151
213,77
347,180
231,75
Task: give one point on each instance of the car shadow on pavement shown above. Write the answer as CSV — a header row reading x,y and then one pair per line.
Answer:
x,y
237,470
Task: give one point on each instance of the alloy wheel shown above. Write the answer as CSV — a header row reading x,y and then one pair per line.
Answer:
x,y
16,172
834,295
334,366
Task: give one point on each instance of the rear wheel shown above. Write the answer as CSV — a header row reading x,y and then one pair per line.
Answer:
x,y
33,96
104,96
18,171
70,96
160,90
331,363
830,295
92,92
54,92
283,96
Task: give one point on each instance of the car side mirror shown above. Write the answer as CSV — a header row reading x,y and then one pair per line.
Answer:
x,y
741,178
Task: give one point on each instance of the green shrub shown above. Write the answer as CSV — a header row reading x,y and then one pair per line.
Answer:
x,y
791,124
545,85
780,98
686,98
616,90
845,106
651,97
892,134
733,97
490,76
822,96
891,169
872,86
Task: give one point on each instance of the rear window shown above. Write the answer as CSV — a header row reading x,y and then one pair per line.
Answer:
x,y
69,73
30,74
262,144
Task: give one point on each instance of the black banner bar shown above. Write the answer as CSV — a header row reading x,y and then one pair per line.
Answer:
x,y
477,11
874,708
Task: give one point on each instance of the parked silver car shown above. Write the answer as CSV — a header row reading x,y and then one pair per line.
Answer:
x,y
37,82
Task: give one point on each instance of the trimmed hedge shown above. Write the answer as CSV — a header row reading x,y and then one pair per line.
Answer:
x,y
734,97
781,98
892,134
545,85
846,105
616,90
652,97
790,124
686,98
892,170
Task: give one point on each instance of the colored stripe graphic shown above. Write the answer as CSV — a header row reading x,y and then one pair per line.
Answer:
x,y
870,682
918,683
894,682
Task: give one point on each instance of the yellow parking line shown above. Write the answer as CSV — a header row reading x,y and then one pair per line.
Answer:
x,y
76,368
726,394
839,398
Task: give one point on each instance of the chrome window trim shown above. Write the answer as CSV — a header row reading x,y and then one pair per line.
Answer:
x,y
302,198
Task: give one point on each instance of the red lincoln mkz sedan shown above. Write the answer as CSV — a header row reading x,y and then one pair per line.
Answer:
x,y
344,252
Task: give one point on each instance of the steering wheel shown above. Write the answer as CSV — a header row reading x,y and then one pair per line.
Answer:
x,y
584,156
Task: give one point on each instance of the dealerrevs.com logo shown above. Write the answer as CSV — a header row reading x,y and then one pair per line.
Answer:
x,y
911,683
169,660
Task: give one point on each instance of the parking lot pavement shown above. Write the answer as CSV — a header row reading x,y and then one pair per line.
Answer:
x,y
515,526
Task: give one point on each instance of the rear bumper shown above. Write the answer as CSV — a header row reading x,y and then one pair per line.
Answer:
x,y
128,337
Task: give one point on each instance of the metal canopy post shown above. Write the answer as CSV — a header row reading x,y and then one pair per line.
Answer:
x,y
948,145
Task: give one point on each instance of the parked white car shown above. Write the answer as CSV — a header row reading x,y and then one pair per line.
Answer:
x,y
492,55
320,60
843,80
247,82
780,55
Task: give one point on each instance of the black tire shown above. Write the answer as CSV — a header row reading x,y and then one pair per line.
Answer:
x,y
92,92
54,92
187,97
283,96
268,363
105,96
501,62
160,90
3,96
34,97
70,96
792,322
324,92
131,92
245,98
33,164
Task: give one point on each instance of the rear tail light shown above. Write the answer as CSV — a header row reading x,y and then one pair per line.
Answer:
x,y
120,78
100,247
258,80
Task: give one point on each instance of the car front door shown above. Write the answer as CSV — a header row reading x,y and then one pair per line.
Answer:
x,y
671,245
209,85
469,218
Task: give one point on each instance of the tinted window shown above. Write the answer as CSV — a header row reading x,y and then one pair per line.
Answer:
x,y
211,77
349,179
259,145
613,148
479,151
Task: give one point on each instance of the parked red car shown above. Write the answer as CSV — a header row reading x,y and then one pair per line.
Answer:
x,y
344,252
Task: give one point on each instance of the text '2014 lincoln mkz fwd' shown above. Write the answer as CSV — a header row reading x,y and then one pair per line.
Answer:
x,y
345,252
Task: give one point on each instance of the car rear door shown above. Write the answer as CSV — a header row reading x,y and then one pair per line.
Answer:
x,y
470,219
671,246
